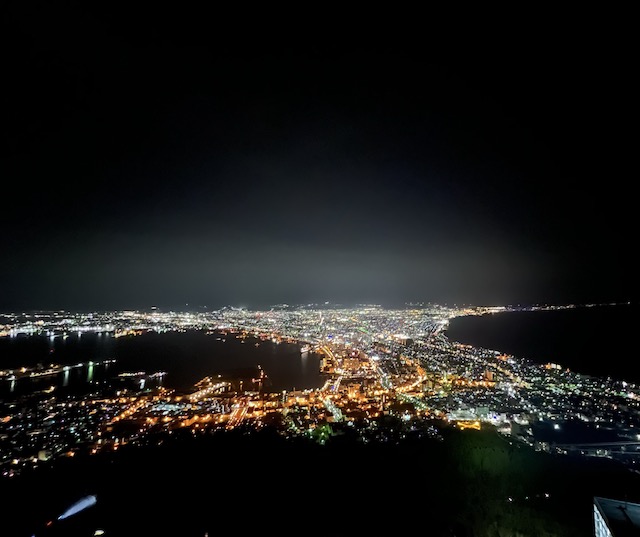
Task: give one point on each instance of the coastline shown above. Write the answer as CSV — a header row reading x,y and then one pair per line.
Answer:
x,y
589,340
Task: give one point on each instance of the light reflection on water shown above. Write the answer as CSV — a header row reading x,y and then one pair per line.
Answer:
x,y
186,358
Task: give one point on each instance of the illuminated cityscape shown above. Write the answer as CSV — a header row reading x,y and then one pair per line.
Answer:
x,y
375,362
357,279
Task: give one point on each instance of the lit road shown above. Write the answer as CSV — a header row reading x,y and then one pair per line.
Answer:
x,y
331,407
328,351
384,379
238,414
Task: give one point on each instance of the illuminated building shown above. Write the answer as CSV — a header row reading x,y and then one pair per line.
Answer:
x,y
615,518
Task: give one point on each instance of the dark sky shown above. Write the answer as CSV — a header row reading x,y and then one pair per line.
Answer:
x,y
475,163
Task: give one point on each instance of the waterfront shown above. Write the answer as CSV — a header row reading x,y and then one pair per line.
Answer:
x,y
390,378
186,357
589,340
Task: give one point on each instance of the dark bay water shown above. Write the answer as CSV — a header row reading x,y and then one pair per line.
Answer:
x,y
186,357
597,340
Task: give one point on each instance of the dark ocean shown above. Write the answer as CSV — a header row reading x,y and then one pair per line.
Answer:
x,y
186,357
596,340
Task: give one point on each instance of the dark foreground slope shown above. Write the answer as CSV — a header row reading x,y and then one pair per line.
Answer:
x,y
471,483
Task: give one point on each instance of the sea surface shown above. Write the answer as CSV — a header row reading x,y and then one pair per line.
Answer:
x,y
186,357
597,340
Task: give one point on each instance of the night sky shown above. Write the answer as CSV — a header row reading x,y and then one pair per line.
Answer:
x,y
484,165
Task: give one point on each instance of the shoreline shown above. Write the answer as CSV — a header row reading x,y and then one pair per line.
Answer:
x,y
590,341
